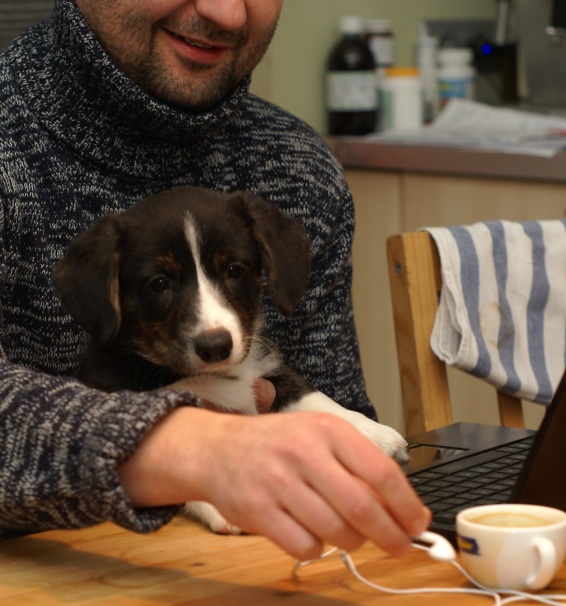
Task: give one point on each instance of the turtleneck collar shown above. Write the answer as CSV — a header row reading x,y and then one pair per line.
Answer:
x,y
78,94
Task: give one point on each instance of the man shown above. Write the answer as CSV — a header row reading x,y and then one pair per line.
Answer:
x,y
110,101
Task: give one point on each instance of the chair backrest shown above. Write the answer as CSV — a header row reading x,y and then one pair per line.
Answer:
x,y
415,283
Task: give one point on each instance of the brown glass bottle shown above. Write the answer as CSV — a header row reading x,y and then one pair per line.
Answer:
x,y
351,92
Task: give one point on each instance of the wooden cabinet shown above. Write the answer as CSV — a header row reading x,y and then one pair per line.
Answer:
x,y
434,200
389,202
377,198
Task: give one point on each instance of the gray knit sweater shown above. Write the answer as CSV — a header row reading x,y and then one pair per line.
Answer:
x,y
78,140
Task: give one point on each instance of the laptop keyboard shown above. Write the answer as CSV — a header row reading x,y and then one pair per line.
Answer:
x,y
452,487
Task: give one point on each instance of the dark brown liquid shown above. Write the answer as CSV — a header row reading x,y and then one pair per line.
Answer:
x,y
351,54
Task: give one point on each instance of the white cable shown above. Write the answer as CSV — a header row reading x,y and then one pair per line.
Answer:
x,y
352,568
301,564
513,596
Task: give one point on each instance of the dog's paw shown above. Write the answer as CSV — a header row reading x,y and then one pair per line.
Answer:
x,y
207,515
387,438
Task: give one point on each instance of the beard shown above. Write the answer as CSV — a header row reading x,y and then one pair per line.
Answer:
x,y
208,87
194,87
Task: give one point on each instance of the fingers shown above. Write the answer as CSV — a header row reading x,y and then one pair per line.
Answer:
x,y
294,538
383,505
264,391
302,522
368,491
325,524
341,512
374,515
334,486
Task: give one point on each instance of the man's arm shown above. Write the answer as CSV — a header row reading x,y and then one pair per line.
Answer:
x,y
300,479
62,446
320,339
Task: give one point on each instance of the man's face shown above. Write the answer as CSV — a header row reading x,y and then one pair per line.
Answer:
x,y
187,53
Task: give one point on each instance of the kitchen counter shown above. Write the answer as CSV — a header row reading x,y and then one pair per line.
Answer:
x,y
365,153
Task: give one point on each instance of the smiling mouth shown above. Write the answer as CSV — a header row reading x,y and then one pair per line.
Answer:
x,y
198,51
194,43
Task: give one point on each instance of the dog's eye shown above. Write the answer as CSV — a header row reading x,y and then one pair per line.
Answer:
x,y
159,284
235,271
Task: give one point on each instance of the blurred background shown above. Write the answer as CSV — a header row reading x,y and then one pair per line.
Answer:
x,y
292,73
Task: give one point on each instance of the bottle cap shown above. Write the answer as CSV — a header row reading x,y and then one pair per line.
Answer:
x,y
455,56
402,72
351,24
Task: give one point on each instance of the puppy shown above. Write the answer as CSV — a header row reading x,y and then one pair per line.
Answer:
x,y
169,292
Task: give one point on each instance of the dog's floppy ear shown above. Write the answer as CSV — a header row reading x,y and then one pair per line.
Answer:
x,y
86,279
285,249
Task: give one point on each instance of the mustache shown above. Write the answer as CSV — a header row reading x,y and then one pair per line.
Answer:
x,y
201,28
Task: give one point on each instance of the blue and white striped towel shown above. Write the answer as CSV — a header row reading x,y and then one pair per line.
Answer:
x,y
502,312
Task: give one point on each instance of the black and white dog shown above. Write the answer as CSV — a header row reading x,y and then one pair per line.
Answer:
x,y
170,293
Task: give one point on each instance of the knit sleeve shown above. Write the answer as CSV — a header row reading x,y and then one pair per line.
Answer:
x,y
320,340
62,445
330,351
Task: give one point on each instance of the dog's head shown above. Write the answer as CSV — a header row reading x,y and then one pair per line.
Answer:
x,y
176,279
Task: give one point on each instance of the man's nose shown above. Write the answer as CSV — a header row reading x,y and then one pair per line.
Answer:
x,y
230,15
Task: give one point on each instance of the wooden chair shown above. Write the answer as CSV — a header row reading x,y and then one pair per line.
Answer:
x,y
415,282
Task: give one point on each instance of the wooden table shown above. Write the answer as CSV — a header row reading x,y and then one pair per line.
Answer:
x,y
184,564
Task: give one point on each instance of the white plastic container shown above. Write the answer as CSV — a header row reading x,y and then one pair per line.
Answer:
x,y
401,102
381,41
456,75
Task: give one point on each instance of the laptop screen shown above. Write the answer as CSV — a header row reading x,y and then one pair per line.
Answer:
x,y
542,480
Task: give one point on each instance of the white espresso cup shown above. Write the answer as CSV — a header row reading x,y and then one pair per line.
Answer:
x,y
512,546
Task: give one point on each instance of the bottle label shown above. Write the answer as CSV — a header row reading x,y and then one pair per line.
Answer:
x,y
462,88
351,91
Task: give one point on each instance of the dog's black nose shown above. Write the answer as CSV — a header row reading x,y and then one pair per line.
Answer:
x,y
213,345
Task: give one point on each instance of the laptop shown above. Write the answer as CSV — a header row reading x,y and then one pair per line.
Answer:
x,y
469,464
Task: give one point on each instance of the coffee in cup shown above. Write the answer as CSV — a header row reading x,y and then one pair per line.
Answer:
x,y
512,546
510,519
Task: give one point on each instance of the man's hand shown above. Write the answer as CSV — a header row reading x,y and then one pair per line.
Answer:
x,y
300,479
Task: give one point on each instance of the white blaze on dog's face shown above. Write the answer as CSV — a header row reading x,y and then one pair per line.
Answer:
x,y
218,328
